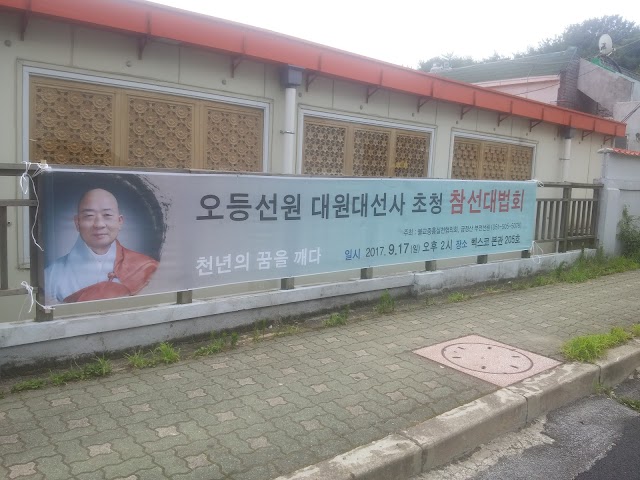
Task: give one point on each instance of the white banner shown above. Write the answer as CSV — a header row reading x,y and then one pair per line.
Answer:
x,y
109,234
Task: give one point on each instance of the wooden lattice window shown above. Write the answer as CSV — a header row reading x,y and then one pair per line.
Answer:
x,y
333,147
77,123
477,159
72,124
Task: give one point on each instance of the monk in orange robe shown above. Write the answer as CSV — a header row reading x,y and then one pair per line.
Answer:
x,y
98,267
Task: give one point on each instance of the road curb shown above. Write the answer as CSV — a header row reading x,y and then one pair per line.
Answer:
x,y
457,432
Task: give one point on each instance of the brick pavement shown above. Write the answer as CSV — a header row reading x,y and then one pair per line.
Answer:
x,y
273,407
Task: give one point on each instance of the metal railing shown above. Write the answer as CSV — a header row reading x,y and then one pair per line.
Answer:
x,y
562,220
566,220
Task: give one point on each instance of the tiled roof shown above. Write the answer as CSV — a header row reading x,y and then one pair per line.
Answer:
x,y
525,67
621,151
148,21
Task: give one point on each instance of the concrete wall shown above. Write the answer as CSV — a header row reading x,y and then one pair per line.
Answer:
x,y
625,110
59,47
28,343
621,187
604,86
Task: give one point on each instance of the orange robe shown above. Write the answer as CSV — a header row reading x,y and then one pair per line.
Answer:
x,y
133,271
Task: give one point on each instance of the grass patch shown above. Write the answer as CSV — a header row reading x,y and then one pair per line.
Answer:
x,y
259,330
166,353
286,330
28,385
337,319
456,297
139,359
588,348
629,402
214,347
635,330
386,304
100,367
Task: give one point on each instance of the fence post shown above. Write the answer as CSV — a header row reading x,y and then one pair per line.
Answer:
x,y
36,256
366,273
595,217
564,221
287,283
184,297
4,255
482,259
430,266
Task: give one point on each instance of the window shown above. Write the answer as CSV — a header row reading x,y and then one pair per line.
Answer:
x,y
483,160
333,147
85,124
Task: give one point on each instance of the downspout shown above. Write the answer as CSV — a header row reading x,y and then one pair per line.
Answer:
x,y
289,166
565,160
290,77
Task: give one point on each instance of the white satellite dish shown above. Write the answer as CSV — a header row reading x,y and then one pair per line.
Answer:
x,y
605,44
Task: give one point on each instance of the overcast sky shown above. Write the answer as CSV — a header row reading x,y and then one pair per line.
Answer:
x,y
407,31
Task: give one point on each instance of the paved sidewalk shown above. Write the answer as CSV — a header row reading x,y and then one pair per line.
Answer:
x,y
273,407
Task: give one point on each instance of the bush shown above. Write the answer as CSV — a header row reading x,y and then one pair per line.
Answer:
x,y
629,235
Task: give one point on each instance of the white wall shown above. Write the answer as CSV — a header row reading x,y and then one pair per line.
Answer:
x,y
80,50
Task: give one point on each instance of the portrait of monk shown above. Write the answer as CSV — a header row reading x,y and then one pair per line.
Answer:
x,y
98,266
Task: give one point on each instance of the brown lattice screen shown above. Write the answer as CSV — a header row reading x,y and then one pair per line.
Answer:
x,y
476,159
84,124
343,148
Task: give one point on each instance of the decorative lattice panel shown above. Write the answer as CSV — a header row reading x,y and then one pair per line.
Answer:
x,y
324,149
71,126
370,153
234,140
160,133
521,163
466,160
411,155
495,162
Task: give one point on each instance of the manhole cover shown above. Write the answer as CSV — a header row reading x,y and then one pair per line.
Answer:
x,y
488,360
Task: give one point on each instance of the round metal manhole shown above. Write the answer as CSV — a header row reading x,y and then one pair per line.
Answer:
x,y
487,358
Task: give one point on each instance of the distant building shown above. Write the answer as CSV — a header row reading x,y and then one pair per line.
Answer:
x,y
599,87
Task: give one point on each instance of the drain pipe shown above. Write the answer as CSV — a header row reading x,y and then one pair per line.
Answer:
x,y
291,77
565,160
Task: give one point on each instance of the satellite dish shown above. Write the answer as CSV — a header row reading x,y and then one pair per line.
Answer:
x,y
605,44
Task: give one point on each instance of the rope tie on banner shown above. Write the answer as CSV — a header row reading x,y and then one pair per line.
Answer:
x,y
537,258
29,289
25,180
540,183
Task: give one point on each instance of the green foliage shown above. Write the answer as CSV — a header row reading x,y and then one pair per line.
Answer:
x,y
100,367
630,402
28,385
629,235
588,348
635,330
386,304
166,353
456,297
139,359
234,339
259,330
214,347
337,319
584,36
286,330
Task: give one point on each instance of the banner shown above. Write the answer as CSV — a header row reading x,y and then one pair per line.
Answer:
x,y
109,234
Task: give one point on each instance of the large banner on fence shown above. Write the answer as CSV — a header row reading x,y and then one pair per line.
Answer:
x,y
110,234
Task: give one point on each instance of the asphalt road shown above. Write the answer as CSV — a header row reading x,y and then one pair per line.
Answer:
x,y
595,438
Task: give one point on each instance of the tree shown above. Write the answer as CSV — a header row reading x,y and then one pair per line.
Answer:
x,y
624,34
584,36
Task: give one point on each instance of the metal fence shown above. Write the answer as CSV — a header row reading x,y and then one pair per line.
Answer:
x,y
566,221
